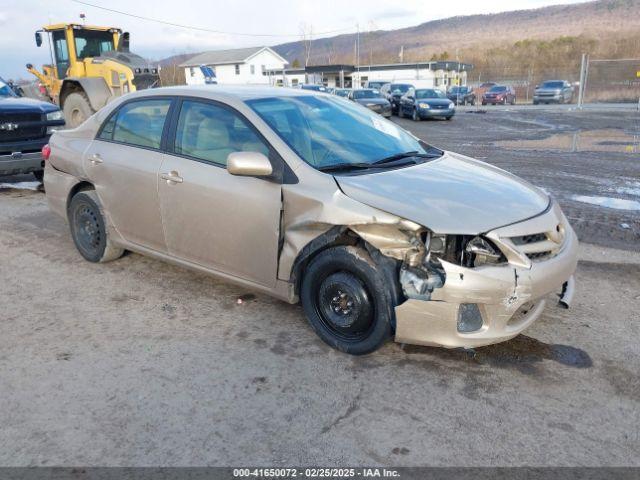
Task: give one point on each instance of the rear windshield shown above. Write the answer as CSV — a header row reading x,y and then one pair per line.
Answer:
x,y
459,89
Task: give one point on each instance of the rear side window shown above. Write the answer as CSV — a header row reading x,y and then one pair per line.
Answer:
x,y
209,132
138,123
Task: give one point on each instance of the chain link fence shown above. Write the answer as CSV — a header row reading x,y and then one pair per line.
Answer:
x,y
605,80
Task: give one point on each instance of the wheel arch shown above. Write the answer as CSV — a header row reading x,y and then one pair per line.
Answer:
x,y
338,236
77,188
95,89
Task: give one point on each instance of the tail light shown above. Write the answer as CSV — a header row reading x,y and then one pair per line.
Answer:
x,y
46,152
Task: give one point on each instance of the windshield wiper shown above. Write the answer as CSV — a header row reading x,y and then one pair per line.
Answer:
x,y
344,166
400,156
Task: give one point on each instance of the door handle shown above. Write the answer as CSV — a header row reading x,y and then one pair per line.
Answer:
x,y
96,159
171,177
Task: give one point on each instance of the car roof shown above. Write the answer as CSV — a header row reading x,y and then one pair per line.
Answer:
x,y
227,92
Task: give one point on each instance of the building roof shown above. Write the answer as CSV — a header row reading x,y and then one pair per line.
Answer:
x,y
432,65
225,57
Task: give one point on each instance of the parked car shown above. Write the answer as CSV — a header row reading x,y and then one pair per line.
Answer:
x,y
307,197
372,99
553,91
375,84
394,91
341,92
25,127
315,88
484,88
424,103
462,95
499,94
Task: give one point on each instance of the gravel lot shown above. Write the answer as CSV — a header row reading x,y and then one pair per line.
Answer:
x,y
137,362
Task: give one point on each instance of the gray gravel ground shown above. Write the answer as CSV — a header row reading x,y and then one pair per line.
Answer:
x,y
137,362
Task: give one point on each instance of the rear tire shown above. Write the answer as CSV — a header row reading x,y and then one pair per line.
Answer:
x,y
347,300
88,229
76,109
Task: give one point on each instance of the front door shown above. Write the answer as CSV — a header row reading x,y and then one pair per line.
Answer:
x,y
212,218
123,164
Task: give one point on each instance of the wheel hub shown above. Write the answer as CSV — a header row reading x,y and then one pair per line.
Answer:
x,y
344,305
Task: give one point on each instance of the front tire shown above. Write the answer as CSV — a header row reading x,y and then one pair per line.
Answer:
x,y
76,109
347,300
88,230
415,115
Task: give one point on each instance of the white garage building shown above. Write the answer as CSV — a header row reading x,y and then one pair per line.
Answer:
x,y
237,66
441,74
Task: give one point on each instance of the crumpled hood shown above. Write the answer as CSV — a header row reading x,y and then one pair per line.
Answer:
x,y
453,194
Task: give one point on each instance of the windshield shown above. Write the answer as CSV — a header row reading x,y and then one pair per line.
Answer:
x,y
456,90
498,89
400,88
5,90
429,93
92,43
552,85
366,94
326,131
342,93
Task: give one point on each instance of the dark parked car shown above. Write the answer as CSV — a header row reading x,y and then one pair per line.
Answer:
x,y
462,95
392,92
372,99
25,127
426,103
553,91
499,94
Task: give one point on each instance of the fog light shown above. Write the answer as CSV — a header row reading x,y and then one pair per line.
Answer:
x,y
469,318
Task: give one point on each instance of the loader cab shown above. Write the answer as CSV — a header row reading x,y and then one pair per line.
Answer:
x,y
71,44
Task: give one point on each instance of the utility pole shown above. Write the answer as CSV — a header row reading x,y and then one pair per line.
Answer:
x,y
584,66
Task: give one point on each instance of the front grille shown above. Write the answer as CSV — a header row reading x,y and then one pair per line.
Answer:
x,y
21,126
540,246
144,81
539,256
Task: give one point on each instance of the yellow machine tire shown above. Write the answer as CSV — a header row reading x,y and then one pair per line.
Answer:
x,y
76,109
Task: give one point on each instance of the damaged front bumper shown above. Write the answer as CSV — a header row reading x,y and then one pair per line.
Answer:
x,y
490,304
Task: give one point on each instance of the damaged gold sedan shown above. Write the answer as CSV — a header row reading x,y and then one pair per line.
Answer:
x,y
311,198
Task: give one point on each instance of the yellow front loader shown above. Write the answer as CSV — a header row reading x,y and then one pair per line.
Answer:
x,y
89,66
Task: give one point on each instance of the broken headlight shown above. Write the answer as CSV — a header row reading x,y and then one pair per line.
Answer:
x,y
483,251
465,250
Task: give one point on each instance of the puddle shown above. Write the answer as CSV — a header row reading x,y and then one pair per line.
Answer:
x,y
609,202
522,353
605,140
21,185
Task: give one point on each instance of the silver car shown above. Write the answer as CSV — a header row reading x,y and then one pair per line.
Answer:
x,y
309,198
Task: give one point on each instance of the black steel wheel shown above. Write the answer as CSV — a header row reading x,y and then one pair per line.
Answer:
x,y
349,300
88,228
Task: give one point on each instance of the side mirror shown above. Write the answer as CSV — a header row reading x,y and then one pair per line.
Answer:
x,y
249,164
38,39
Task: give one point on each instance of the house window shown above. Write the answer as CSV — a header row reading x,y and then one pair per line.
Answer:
x,y
263,69
294,82
237,69
192,71
253,69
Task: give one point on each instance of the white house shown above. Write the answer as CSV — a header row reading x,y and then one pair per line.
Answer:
x,y
237,66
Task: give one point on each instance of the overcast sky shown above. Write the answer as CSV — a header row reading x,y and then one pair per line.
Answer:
x,y
20,18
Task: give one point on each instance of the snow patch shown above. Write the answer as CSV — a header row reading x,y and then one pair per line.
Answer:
x,y
21,185
608,202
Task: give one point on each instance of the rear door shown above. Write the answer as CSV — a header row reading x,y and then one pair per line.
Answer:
x,y
123,164
212,218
